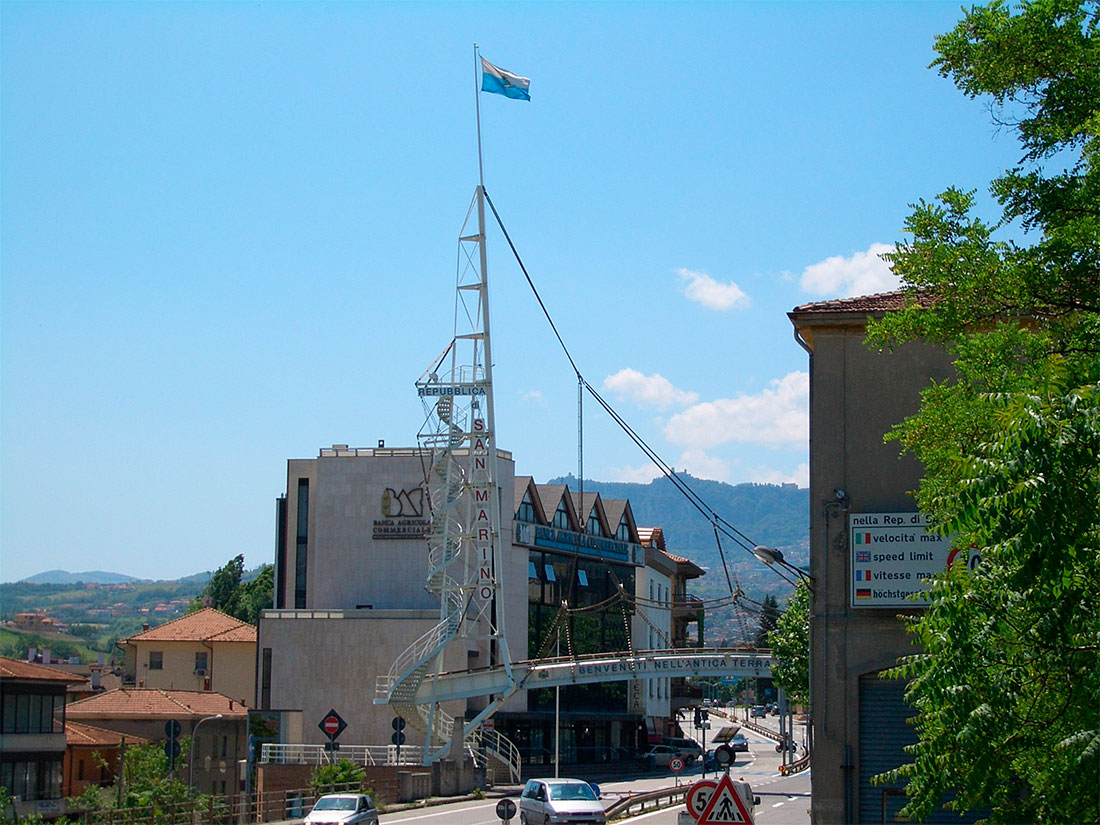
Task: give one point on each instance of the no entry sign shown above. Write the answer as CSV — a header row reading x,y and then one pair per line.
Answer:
x,y
332,725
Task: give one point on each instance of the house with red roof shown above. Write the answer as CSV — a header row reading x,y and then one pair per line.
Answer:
x,y
203,651
217,724
92,756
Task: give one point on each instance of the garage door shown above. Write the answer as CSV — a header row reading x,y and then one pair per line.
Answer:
x,y
883,734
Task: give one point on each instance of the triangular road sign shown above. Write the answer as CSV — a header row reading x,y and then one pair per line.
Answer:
x,y
725,806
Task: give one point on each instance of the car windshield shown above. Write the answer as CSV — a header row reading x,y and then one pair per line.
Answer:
x,y
336,803
578,791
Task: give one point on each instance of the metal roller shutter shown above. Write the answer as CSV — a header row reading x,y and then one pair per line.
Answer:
x,y
883,733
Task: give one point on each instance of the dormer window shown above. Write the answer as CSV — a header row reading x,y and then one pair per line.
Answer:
x,y
526,510
623,531
594,527
561,517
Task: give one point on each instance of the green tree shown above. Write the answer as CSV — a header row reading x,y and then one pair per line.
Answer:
x,y
339,776
228,592
1005,681
769,615
790,644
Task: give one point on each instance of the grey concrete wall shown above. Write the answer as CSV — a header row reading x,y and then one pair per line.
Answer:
x,y
857,395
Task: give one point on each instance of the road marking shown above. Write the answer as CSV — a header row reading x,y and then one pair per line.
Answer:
x,y
442,813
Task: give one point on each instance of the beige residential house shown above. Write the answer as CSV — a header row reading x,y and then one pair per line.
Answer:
x,y
202,651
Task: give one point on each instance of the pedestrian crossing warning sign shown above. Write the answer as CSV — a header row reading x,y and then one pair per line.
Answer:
x,y
725,806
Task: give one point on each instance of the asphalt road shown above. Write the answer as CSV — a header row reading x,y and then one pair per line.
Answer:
x,y
783,800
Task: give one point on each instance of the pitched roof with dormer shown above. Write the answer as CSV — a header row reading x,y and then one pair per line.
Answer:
x,y
154,703
206,625
28,671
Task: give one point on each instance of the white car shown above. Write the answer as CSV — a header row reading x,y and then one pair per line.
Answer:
x,y
343,809
550,801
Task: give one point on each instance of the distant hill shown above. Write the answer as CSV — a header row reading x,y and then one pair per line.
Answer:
x,y
770,514
88,577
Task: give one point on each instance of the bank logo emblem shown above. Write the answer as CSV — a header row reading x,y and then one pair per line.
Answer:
x,y
403,504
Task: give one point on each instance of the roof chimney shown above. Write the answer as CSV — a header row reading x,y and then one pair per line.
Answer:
x,y
32,653
47,656
144,626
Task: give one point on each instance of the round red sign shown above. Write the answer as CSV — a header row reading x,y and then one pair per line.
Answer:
x,y
331,725
676,764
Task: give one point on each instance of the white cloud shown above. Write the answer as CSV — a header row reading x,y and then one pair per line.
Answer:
x,y
769,475
712,294
778,415
637,475
865,273
648,390
533,395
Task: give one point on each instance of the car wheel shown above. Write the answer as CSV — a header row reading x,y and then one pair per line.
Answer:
x,y
522,818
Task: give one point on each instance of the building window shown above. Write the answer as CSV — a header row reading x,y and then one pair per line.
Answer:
x,y
32,713
302,545
33,779
561,517
550,575
156,660
200,663
265,680
594,527
532,572
526,511
582,578
623,531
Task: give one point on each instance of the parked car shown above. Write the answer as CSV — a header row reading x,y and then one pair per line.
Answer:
x,y
759,710
739,743
659,756
689,748
560,800
343,809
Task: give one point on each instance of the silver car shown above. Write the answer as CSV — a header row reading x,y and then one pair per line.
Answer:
x,y
553,801
343,809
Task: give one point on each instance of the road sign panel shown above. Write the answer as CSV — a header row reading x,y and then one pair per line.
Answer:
x,y
332,725
676,764
506,809
725,806
698,796
172,749
398,723
172,729
397,737
723,755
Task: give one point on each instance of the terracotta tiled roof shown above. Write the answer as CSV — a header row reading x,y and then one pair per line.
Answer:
x,y
862,304
152,703
78,734
206,625
16,669
688,567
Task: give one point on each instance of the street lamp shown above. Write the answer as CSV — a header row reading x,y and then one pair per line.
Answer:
x,y
769,555
194,732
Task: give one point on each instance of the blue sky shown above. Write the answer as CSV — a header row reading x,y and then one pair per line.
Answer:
x,y
229,238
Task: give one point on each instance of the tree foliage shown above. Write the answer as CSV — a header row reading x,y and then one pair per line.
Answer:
x,y
342,775
1006,678
790,644
228,592
769,615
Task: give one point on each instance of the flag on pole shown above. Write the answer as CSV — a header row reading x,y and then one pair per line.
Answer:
x,y
502,82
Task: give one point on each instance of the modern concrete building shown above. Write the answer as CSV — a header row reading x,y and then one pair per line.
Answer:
x,y
351,565
868,550
204,650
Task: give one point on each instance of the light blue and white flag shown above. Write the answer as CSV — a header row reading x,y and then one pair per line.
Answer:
x,y
503,82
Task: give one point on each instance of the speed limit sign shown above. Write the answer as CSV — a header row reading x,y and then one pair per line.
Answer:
x,y
676,764
698,796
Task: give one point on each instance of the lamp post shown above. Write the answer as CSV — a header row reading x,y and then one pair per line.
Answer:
x,y
769,555
194,732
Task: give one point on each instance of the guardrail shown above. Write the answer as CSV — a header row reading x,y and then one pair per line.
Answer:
x,y
649,801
